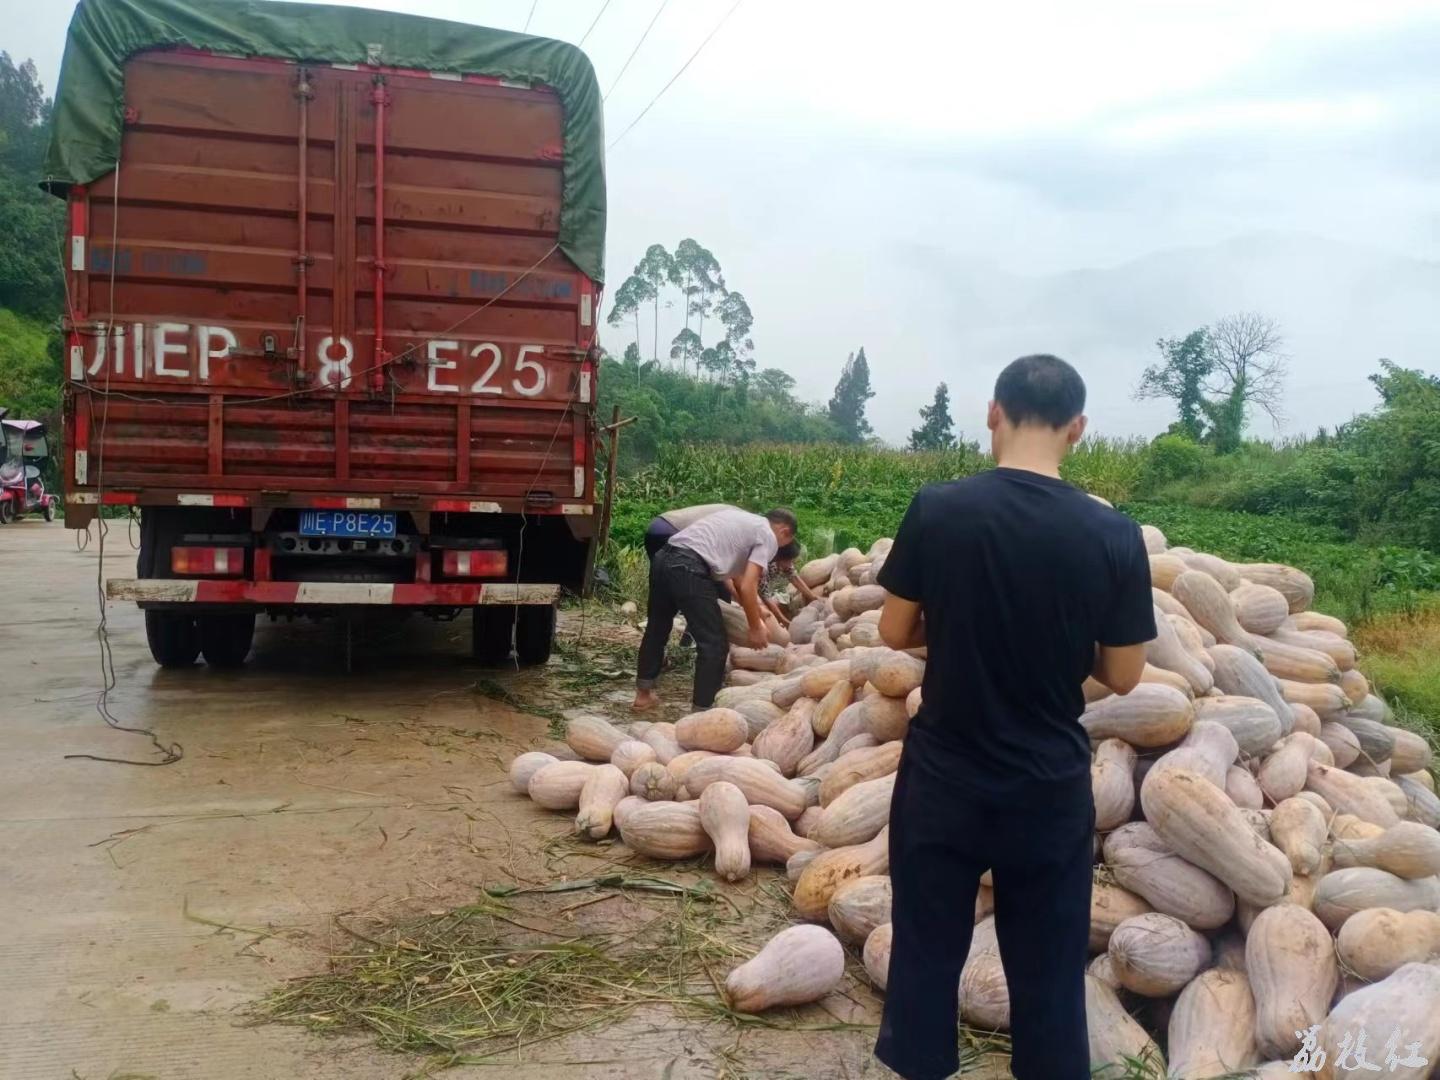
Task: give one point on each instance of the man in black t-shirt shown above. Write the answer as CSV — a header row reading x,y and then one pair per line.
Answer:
x,y
1020,586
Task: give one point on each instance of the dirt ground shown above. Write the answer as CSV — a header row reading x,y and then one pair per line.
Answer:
x,y
304,794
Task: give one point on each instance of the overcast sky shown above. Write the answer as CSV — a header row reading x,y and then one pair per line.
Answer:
x,y
950,185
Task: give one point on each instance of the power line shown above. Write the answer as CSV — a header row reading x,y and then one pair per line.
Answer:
x,y
595,22
723,19
635,50
534,4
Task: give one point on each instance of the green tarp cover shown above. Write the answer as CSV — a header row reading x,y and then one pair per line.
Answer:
x,y
89,104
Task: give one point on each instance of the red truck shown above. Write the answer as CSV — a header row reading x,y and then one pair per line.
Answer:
x,y
333,283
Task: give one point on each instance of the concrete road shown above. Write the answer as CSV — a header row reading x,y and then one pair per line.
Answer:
x,y
303,793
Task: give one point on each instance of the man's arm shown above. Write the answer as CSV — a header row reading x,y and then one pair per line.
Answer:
x,y
749,583
1117,666
775,609
902,623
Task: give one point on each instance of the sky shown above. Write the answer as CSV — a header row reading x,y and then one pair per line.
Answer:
x,y
953,185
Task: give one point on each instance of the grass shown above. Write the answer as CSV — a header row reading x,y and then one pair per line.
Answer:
x,y
1400,653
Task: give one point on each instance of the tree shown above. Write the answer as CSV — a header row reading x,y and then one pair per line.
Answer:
x,y
1180,376
31,221
735,316
937,429
847,406
696,273
627,303
685,347
653,270
1248,370
1215,375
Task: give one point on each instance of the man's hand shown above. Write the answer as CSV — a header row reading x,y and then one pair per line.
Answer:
x,y
759,637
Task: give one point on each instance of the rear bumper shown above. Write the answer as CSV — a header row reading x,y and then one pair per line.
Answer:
x,y
325,593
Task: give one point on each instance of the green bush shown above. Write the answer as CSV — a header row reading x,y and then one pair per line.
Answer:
x,y
1170,458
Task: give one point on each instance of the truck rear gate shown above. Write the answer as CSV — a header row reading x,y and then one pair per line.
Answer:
x,y
324,330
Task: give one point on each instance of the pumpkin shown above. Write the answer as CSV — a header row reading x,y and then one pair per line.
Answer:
x,y
798,965
818,571
592,738
1378,941
653,782
630,755
1115,1038
1238,672
1166,651
758,780
852,600
718,730
789,739
1407,850
759,714
725,817
1110,905
1259,609
771,839
1155,955
1150,715
1326,699
806,621
1349,794
1103,968
623,808
527,765
1350,827
1344,746
665,830
605,786
1296,663
1296,585
984,994
1254,724
859,906
1201,824
876,955
790,689
806,821
1222,571
1411,753
1423,804
816,682
557,786
681,765
830,706
1299,829
731,696
1244,792
796,864
896,674
1209,605
1284,772
1168,604
1407,1001
853,720
1337,648
829,870
1192,638
1112,782
1153,674
1154,539
661,738
1376,742
1315,620
1164,569
1341,893
863,741
1306,719
1144,864
1291,966
912,702
855,815
1373,708
857,766
1212,1027
766,659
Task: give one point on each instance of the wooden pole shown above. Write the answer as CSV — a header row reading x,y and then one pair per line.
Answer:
x,y
608,508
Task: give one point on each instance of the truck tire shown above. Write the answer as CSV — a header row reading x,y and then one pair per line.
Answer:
x,y
490,634
173,638
225,639
535,633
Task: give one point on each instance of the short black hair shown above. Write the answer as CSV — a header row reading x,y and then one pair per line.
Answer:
x,y
788,551
782,515
1040,388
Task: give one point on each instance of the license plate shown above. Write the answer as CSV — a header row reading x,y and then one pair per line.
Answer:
x,y
350,523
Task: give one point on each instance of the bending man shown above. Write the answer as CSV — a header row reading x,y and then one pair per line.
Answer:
x,y
726,544
1020,586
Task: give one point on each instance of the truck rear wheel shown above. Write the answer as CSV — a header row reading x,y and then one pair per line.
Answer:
x,y
535,633
490,634
173,638
225,639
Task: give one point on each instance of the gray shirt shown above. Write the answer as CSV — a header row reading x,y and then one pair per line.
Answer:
x,y
729,540
686,516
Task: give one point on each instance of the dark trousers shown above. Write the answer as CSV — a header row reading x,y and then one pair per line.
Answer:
x,y
680,581
1037,843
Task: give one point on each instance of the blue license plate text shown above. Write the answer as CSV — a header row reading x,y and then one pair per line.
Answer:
x,y
348,523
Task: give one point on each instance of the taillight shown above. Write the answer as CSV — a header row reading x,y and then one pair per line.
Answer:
x,y
207,561
489,563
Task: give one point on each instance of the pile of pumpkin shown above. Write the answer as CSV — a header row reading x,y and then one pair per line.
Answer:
x,y
1268,857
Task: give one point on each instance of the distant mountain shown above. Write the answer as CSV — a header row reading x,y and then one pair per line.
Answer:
x,y
1341,307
